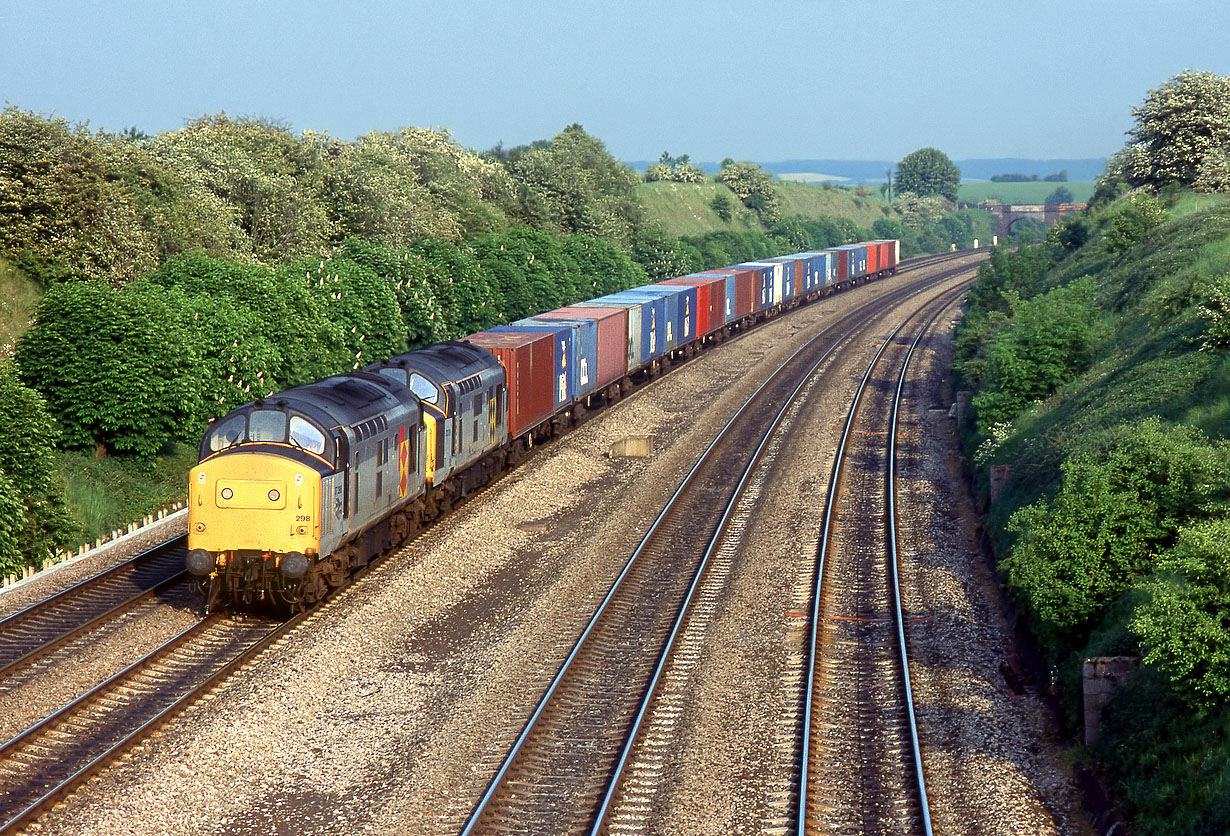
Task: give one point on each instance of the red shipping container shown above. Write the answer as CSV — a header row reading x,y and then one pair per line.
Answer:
x,y
892,250
529,370
710,301
612,338
842,257
873,259
747,288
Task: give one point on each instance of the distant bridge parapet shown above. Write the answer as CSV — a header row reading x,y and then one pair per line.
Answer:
x,y
1006,214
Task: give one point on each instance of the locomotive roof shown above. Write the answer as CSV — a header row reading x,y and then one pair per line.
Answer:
x,y
444,362
340,400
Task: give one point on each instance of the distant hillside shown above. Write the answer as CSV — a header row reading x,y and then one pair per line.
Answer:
x,y
872,171
684,208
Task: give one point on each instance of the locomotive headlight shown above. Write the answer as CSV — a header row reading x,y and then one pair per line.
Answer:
x,y
227,493
274,495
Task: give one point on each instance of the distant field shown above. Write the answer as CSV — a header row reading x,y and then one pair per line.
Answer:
x,y
1021,192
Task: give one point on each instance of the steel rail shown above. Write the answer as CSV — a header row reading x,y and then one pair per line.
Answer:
x,y
822,550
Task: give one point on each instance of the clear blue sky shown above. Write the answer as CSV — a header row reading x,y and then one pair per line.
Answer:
x,y
842,79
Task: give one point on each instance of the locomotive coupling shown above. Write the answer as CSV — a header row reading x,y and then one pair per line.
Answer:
x,y
200,562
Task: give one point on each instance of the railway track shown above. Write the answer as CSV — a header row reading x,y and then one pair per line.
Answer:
x,y
34,633
563,772
860,763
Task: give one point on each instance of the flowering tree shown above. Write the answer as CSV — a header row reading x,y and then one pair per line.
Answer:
x,y
1182,134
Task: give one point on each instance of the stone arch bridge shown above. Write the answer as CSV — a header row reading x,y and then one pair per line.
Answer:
x,y
1006,214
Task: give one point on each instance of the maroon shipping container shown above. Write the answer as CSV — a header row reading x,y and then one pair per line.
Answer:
x,y
612,338
710,300
747,288
528,359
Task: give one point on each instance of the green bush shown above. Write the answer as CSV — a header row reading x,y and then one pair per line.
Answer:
x,y
1183,626
32,512
1042,345
115,366
1113,515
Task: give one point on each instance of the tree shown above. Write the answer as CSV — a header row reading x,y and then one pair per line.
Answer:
x,y
33,519
1061,195
1179,127
1042,346
575,185
116,366
927,172
754,186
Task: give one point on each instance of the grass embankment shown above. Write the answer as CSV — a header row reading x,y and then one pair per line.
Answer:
x,y
108,493
686,208
18,300
1033,192
1112,525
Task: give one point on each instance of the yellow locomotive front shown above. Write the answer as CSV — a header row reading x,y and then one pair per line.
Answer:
x,y
255,509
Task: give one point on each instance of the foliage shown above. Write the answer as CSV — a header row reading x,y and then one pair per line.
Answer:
x,y
469,300
1130,220
1216,310
1062,194
721,207
575,185
279,332
422,317
664,256
360,307
398,187
33,519
1042,345
67,203
12,521
674,170
1028,230
754,186
1114,513
602,267
1185,625
928,172
259,175
115,367
918,212
1182,129
530,270
1170,765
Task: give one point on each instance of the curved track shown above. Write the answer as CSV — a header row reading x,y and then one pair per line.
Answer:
x,y
561,771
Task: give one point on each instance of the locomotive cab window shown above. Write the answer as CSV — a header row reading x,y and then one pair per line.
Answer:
x,y
305,434
424,388
267,425
226,434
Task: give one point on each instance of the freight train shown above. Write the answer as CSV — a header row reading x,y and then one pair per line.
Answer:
x,y
297,491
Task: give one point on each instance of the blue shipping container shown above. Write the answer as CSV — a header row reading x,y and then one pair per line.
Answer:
x,y
680,312
584,350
